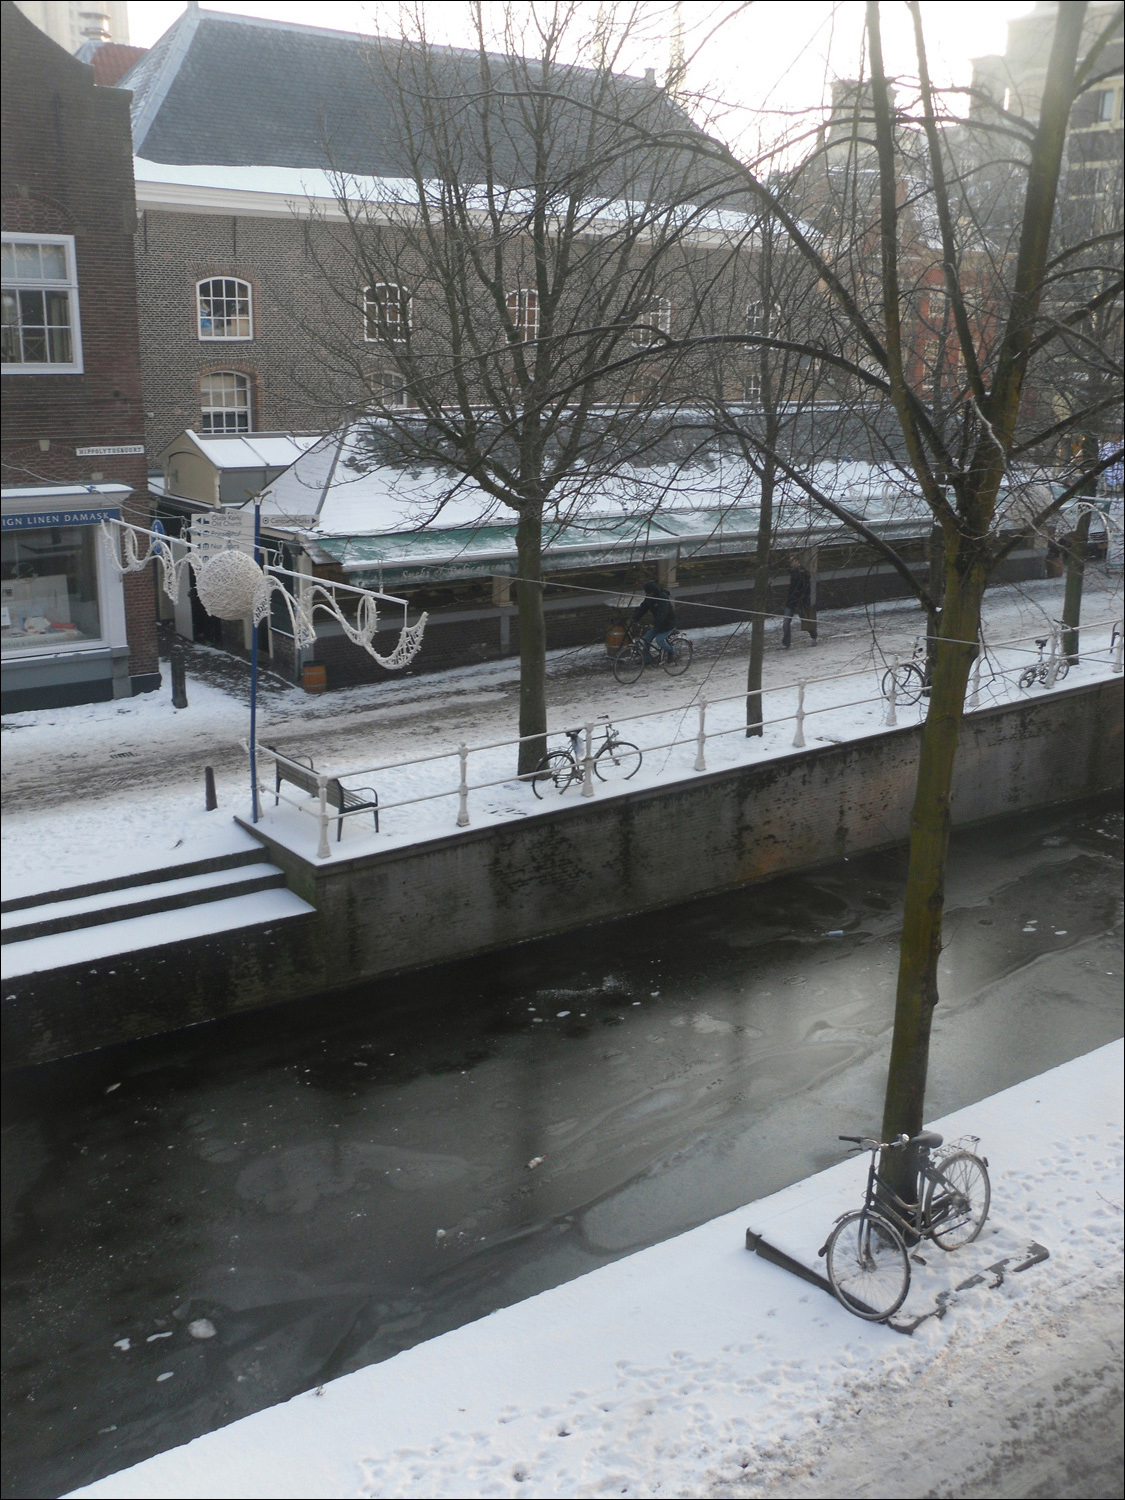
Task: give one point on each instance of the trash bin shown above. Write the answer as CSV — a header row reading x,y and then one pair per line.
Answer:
x,y
314,677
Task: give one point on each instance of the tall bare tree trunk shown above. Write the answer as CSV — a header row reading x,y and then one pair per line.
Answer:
x,y
759,603
923,907
533,639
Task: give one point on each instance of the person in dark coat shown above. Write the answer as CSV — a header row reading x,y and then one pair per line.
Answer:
x,y
798,601
657,602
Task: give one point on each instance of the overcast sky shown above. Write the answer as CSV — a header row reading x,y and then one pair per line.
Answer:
x,y
774,53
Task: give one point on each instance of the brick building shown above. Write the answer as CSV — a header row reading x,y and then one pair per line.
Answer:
x,y
72,436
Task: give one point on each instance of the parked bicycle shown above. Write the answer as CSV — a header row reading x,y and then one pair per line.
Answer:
x,y
1041,670
908,677
866,1254
559,770
630,661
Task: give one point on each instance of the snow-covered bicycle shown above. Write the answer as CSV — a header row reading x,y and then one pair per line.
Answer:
x,y
866,1254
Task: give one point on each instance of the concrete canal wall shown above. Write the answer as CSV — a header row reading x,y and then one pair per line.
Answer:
x,y
582,862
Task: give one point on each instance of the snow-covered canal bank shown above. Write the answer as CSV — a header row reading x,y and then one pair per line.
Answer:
x,y
286,1180
692,1369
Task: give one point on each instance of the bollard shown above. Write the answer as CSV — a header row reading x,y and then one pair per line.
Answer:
x,y
588,763
463,789
178,669
1118,653
323,849
974,696
799,732
892,718
701,737
210,800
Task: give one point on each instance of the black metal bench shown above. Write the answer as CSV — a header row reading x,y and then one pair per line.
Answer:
x,y
300,771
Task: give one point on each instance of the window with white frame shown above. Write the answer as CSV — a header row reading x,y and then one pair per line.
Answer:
x,y
653,319
752,388
523,309
391,388
756,319
225,402
225,308
386,313
41,333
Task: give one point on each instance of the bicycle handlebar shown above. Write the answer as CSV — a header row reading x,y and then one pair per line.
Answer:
x,y
868,1143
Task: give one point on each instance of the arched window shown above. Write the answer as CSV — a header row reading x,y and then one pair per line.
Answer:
x,y
225,308
225,402
386,313
653,319
523,309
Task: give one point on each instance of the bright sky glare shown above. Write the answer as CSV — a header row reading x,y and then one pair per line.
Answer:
x,y
774,54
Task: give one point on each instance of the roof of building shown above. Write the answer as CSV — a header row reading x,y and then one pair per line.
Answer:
x,y
239,91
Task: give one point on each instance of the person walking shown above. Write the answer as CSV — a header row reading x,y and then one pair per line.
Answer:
x,y
657,602
798,601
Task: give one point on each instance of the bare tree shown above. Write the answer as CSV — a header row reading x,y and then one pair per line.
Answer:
x,y
950,312
519,279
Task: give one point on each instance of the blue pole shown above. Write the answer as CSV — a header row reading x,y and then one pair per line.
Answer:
x,y
254,813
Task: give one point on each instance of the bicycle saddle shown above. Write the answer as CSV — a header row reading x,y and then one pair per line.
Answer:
x,y
929,1139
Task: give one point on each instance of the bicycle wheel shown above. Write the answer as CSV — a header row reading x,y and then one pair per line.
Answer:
x,y
622,759
629,663
957,1200
1029,677
678,664
555,773
909,682
868,1266
1062,667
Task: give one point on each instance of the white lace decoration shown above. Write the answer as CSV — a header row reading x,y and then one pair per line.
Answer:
x,y
232,586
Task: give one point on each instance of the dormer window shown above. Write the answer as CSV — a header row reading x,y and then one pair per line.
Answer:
x,y
225,309
386,313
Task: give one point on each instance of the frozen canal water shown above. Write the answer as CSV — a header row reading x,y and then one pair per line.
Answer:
x,y
319,1187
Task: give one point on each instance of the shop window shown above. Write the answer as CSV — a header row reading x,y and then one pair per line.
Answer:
x,y
49,588
225,402
225,309
523,309
386,313
40,328
653,319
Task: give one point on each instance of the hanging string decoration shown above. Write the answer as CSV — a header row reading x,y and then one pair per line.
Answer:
x,y
232,586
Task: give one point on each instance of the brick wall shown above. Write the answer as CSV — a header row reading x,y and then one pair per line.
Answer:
x,y
68,169
290,388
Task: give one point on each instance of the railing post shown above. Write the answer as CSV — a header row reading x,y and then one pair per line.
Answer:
x,y
799,732
588,763
1053,663
463,789
325,849
974,696
701,737
892,718
1119,649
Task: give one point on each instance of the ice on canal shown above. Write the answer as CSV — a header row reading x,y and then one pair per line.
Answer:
x,y
694,1368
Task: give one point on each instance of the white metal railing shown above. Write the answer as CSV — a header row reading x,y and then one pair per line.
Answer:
x,y
327,813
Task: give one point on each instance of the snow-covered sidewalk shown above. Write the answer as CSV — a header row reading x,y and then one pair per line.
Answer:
x,y
694,1368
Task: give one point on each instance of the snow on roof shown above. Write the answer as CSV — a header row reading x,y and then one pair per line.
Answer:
x,y
255,450
16,492
366,516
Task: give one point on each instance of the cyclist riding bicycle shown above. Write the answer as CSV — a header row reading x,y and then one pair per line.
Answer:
x,y
657,602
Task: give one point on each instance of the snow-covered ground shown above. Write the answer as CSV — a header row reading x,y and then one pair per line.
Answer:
x,y
115,787
696,1369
